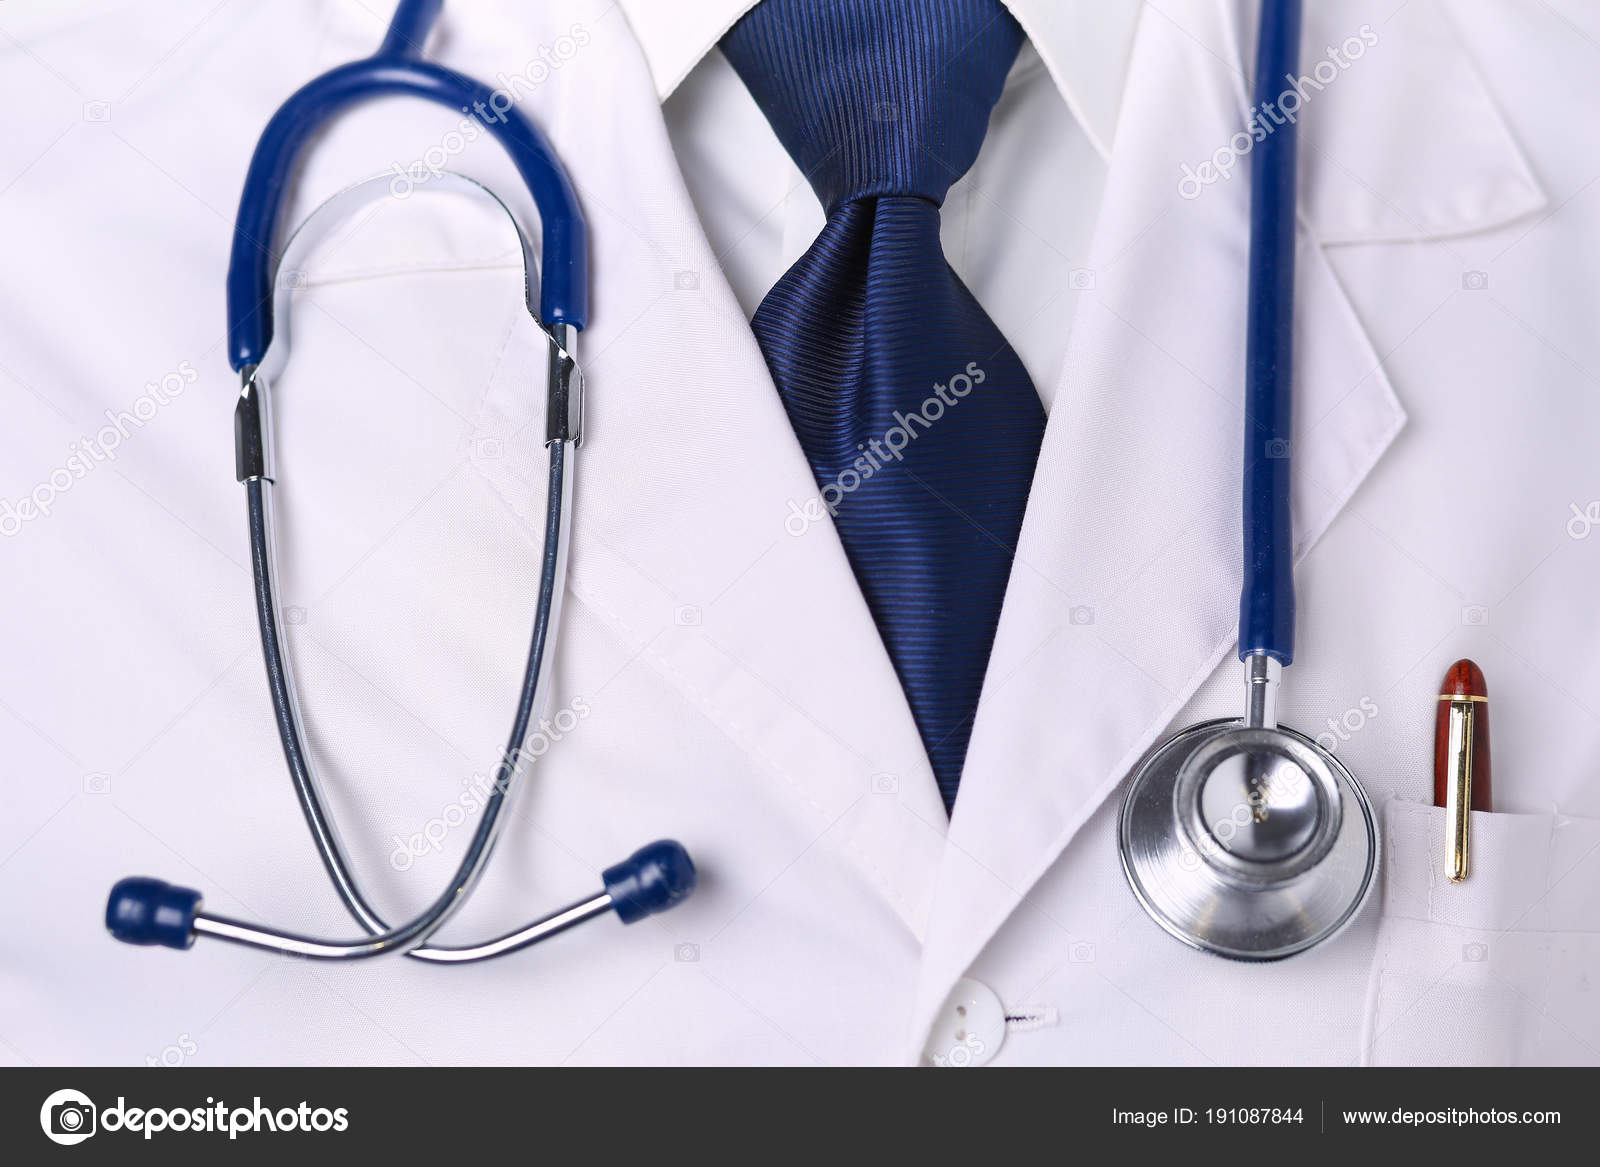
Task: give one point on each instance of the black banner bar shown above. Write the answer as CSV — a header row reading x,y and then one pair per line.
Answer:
x,y
418,1114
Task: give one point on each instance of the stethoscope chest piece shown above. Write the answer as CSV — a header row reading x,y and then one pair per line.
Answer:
x,y
1249,842
1243,838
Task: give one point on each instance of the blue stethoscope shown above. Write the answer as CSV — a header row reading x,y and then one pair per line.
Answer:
x,y
1242,838
653,879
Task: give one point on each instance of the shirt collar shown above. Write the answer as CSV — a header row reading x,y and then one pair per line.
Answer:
x,y
1084,44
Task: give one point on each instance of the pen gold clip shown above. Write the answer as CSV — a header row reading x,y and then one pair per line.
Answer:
x,y
1458,791
1461,761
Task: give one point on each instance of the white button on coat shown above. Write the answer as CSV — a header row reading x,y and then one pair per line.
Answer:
x,y
970,1027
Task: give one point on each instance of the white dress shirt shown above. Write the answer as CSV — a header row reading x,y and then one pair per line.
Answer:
x,y
1016,227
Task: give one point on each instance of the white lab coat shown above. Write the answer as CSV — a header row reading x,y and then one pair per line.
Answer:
x,y
723,681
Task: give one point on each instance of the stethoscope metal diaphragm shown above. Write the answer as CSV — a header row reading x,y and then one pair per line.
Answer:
x,y
1249,842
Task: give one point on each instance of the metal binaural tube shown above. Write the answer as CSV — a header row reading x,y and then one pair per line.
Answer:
x,y
286,708
255,466
564,398
252,936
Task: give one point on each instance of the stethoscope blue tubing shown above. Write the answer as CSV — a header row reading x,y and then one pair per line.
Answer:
x,y
1266,600
395,71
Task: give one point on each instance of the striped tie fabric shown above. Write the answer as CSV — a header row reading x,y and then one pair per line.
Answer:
x,y
918,419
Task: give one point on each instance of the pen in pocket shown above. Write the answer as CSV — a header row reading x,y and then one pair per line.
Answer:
x,y
1461,782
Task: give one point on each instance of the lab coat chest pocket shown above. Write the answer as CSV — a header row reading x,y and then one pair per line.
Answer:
x,y
1500,969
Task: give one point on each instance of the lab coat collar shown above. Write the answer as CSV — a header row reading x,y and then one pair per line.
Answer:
x,y
1458,170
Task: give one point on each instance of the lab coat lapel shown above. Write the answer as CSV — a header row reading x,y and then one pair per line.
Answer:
x,y
1124,594
695,537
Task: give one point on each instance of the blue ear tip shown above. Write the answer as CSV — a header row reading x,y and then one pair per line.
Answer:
x,y
656,877
149,911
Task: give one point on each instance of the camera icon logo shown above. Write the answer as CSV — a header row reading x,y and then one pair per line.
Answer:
x,y
885,784
1475,615
1474,281
686,281
1475,953
68,1117
1278,448
1081,615
686,616
97,111
686,953
1081,279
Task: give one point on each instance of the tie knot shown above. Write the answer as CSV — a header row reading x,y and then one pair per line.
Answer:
x,y
876,97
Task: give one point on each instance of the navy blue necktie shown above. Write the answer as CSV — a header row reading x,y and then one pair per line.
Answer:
x,y
919,421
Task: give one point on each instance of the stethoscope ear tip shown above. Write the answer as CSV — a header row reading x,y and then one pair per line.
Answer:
x,y
656,877
141,910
